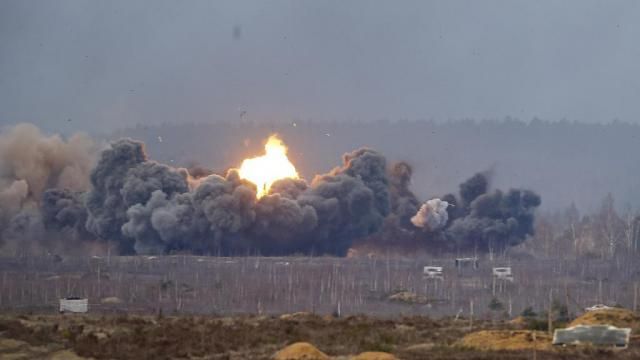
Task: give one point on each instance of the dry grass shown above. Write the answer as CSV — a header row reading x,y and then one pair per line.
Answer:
x,y
300,351
621,318
508,340
408,297
374,355
260,337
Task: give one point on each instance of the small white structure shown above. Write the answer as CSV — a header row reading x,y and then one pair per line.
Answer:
x,y
74,305
598,307
598,335
503,273
433,272
467,262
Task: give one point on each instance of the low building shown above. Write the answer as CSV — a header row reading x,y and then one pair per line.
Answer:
x,y
597,335
74,305
503,273
433,272
470,262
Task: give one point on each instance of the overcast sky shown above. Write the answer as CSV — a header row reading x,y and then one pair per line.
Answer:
x,y
101,65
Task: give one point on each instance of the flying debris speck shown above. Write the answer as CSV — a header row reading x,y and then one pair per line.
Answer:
x,y
237,32
159,138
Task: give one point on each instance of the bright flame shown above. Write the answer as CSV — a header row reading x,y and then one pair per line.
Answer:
x,y
264,170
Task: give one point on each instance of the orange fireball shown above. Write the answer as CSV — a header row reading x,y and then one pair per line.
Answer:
x,y
264,170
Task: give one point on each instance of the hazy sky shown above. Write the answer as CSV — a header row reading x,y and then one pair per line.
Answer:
x,y
110,64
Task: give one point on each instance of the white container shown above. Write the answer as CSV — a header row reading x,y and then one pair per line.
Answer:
x,y
433,272
74,305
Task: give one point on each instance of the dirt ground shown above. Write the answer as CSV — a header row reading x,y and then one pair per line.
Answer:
x,y
257,337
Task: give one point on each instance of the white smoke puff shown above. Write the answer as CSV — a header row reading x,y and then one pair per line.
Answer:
x,y
432,215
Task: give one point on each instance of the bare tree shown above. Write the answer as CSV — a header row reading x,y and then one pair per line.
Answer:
x,y
610,226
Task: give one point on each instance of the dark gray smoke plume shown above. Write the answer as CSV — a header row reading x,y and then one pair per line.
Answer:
x,y
283,225
491,221
350,202
64,209
124,178
147,208
475,186
476,220
55,189
370,167
228,205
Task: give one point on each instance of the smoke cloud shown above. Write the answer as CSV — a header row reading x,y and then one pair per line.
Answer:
x,y
32,163
64,189
491,220
432,215
149,208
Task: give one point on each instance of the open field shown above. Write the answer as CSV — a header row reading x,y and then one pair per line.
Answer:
x,y
257,337
231,308
322,285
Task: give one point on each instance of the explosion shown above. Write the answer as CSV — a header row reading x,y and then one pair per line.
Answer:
x,y
64,193
264,170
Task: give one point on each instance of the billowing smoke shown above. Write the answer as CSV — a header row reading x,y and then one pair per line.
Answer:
x,y
432,215
123,182
31,163
64,209
475,220
475,186
57,189
145,207
45,162
494,220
